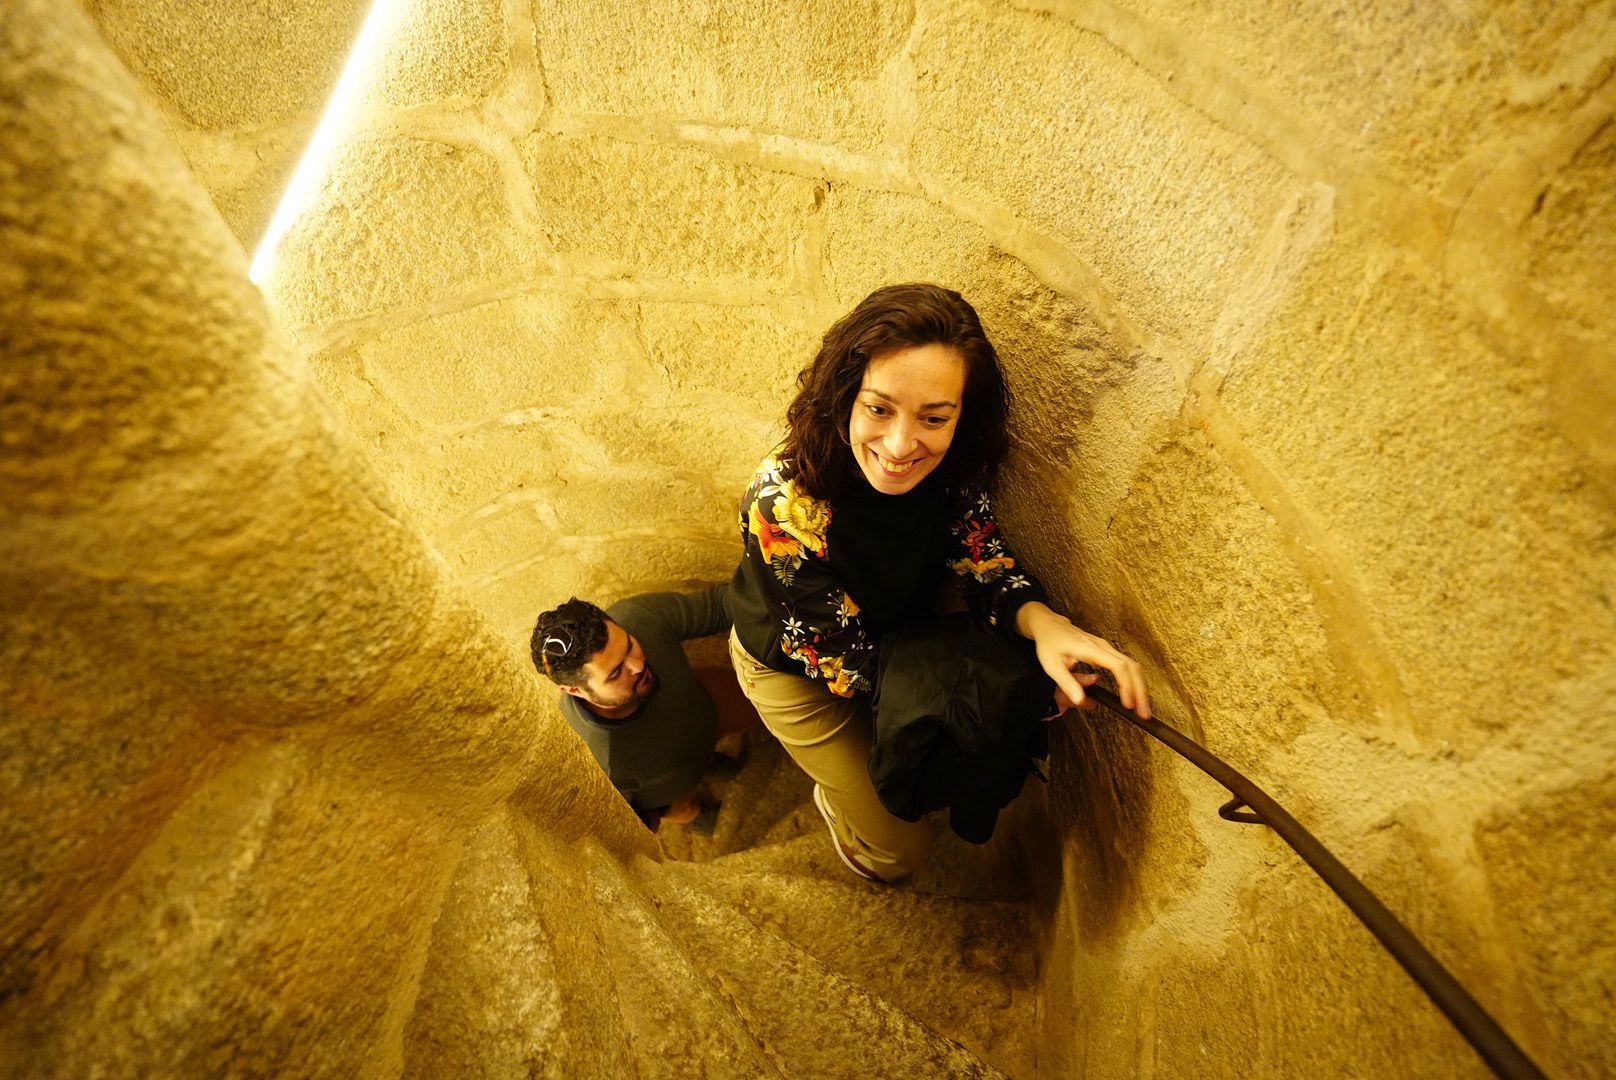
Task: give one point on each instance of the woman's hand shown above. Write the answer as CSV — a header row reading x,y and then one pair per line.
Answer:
x,y
1060,646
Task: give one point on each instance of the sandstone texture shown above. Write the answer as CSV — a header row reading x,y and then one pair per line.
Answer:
x,y
241,88
1308,318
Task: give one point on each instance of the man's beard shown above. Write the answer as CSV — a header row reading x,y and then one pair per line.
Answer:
x,y
642,690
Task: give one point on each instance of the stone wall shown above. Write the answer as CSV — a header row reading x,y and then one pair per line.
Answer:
x,y
250,720
1310,327
237,87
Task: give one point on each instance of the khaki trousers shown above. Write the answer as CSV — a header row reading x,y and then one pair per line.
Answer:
x,y
829,737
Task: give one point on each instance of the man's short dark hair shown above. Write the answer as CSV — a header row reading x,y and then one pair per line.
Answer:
x,y
564,639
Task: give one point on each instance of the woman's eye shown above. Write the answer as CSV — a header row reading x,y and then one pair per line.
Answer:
x,y
936,421
877,410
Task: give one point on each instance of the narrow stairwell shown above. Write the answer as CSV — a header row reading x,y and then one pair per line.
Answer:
x,y
284,799
749,953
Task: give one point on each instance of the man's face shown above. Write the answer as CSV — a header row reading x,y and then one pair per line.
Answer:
x,y
617,676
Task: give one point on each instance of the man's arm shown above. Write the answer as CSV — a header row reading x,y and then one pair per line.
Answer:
x,y
685,615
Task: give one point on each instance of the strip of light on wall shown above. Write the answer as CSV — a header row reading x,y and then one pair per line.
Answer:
x,y
334,123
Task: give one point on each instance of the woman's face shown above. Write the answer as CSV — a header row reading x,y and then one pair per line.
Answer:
x,y
905,415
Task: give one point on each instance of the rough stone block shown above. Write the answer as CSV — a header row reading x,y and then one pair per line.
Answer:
x,y
573,465
1018,111
603,569
693,441
511,604
1412,91
1106,814
875,238
1571,241
245,174
225,66
1424,456
588,435
677,213
532,354
399,223
442,50
1330,1001
460,477
1549,859
1199,1010
581,510
680,563
745,357
1213,580
814,71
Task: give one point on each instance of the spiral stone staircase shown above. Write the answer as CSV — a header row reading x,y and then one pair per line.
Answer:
x,y
1305,317
755,953
278,805
748,953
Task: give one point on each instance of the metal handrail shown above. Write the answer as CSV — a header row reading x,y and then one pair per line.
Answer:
x,y
1252,804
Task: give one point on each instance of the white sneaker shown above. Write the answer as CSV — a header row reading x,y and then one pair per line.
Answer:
x,y
841,849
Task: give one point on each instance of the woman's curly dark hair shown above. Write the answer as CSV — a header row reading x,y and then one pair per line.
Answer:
x,y
889,319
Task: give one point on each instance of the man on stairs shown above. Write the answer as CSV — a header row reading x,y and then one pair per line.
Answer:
x,y
651,720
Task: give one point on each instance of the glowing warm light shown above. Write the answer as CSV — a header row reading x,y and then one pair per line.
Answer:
x,y
334,123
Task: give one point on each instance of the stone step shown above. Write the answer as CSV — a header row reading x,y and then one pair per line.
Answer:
x,y
966,968
817,1023
679,1024
755,804
953,867
508,988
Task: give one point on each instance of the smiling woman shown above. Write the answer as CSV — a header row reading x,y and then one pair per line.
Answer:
x,y
876,500
905,414
935,334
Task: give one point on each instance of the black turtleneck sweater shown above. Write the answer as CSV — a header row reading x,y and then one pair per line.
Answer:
x,y
819,583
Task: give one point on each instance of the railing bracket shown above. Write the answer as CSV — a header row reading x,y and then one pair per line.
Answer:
x,y
1237,809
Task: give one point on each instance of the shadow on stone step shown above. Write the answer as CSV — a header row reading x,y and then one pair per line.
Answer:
x,y
767,819
753,805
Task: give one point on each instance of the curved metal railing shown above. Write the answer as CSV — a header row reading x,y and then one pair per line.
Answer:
x,y
1251,804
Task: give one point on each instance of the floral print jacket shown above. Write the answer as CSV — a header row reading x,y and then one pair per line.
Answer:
x,y
817,624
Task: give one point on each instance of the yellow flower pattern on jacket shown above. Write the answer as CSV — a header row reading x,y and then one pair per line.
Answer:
x,y
818,624
786,523
987,569
779,546
804,518
838,679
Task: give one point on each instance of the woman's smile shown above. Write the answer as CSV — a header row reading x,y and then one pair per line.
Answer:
x,y
904,417
895,468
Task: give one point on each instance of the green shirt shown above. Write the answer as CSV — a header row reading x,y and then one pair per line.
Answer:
x,y
657,754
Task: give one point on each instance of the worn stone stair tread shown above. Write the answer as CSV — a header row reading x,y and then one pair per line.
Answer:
x,y
953,868
677,1023
967,968
802,820
816,1023
507,984
768,791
